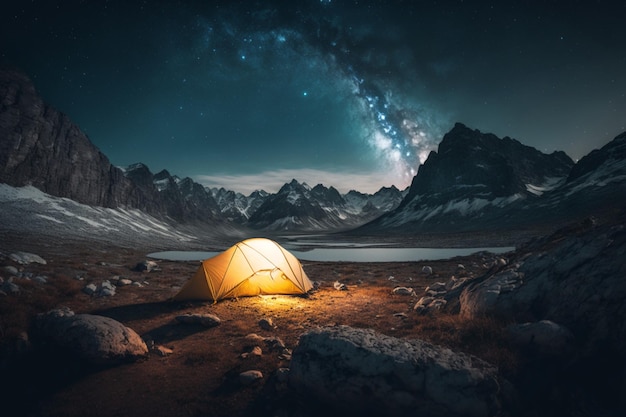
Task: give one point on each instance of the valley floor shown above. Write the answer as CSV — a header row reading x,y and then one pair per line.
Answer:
x,y
199,377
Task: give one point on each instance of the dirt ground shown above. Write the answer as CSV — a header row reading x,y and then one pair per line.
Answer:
x,y
200,376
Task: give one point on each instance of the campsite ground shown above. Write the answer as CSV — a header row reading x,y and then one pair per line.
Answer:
x,y
199,377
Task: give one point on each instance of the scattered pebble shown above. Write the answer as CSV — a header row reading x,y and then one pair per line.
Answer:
x,y
266,324
340,286
250,377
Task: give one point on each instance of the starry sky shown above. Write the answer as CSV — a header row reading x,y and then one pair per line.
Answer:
x,y
354,94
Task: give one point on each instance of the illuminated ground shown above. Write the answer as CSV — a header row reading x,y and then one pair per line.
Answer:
x,y
200,376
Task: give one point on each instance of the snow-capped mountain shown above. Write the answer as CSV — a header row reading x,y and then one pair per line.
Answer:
x,y
476,181
298,207
40,146
27,213
236,206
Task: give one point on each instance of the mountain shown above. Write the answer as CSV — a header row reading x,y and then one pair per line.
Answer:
x,y
236,206
298,207
40,146
474,181
477,181
596,184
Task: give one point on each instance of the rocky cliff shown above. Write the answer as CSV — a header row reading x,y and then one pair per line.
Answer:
x,y
40,146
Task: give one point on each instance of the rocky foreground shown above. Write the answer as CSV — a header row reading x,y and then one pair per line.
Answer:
x,y
535,332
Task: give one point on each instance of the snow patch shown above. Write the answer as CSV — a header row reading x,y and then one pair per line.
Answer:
x,y
549,184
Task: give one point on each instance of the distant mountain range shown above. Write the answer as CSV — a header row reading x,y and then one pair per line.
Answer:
x,y
475,181
40,146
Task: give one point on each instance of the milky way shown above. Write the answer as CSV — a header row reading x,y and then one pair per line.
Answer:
x,y
310,56
353,94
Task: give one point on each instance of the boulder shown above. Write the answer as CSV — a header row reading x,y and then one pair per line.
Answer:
x,y
360,371
574,277
96,339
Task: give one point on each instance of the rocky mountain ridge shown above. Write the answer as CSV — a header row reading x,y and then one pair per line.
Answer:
x,y
40,146
476,181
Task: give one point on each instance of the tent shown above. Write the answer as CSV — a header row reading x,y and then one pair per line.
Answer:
x,y
251,267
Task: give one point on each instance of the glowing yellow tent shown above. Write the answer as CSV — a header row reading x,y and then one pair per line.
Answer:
x,y
250,267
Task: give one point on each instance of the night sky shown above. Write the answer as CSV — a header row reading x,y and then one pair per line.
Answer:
x,y
353,94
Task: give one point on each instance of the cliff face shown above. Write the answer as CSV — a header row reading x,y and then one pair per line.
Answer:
x,y
40,146
470,163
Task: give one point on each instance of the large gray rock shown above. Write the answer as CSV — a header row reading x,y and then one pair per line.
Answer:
x,y
97,339
361,371
574,277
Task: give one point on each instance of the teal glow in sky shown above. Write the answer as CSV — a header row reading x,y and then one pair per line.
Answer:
x,y
249,95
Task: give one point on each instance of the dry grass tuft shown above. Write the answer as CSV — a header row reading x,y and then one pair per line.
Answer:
x,y
483,337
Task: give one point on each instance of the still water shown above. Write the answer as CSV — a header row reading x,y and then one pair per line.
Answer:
x,y
349,254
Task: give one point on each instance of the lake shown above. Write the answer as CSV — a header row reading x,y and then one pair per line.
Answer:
x,y
349,254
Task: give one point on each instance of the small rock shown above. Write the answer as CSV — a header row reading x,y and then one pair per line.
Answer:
x,y
147,266
266,324
427,270
90,289
106,289
255,338
24,258
122,282
339,286
206,320
249,377
437,287
403,291
255,352
106,292
41,279
162,350
10,288
423,303
437,303
10,270
274,343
